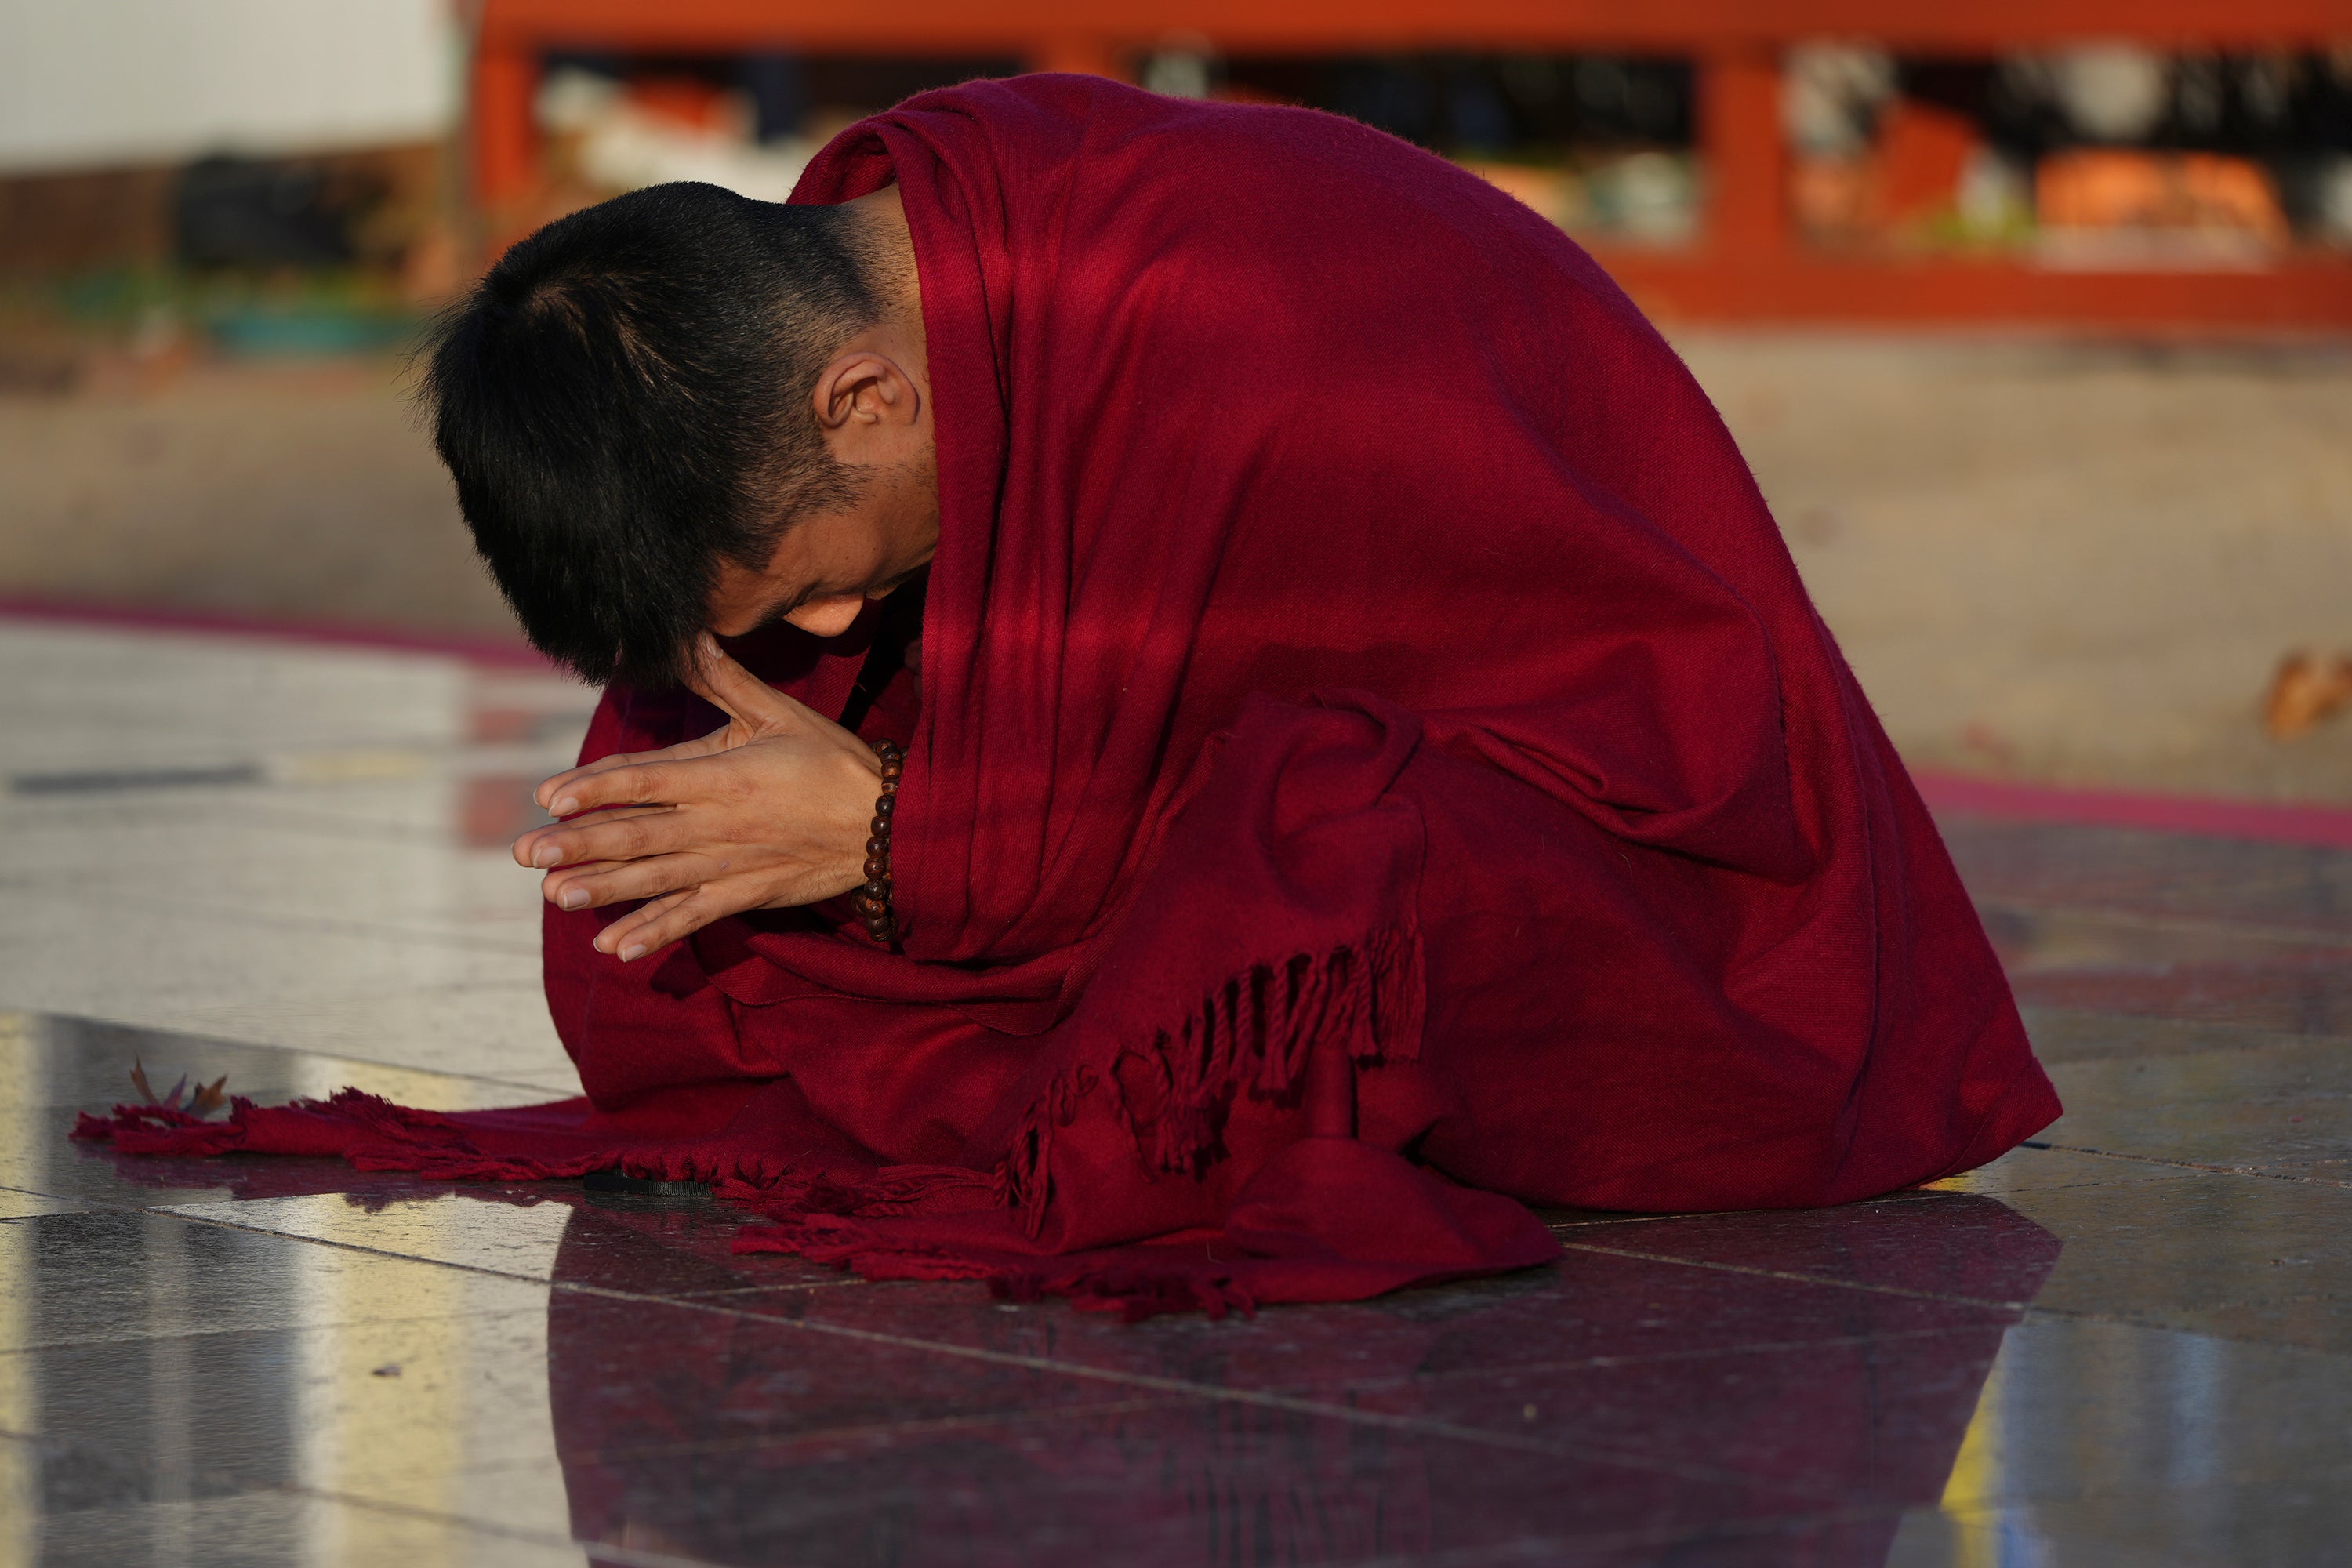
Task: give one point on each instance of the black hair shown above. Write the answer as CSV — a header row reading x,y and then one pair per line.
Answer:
x,y
625,402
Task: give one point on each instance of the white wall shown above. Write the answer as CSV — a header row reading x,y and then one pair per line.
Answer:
x,y
85,83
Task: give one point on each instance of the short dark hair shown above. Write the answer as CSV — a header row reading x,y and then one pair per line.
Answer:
x,y
625,402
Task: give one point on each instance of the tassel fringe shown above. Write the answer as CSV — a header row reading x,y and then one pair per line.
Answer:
x,y
1252,1035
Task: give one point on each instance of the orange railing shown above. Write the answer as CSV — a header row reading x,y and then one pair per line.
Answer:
x,y
1749,263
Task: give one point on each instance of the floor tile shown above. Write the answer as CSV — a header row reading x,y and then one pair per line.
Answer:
x,y
1587,1309
1175,1483
2066,1035
266,1532
2028,1169
1875,1419
2241,1257
1966,1538
420,798
397,1437
2271,1524
2285,1107
1945,1246
2076,1410
241,870
559,1082
480,1030
487,1414
93,697
77,957
402,1411
23,1205
2217,881
555,1231
2103,960
351,894
78,1277
2067,1412
2293,990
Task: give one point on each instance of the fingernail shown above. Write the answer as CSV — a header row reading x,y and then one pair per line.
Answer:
x,y
547,854
634,950
575,898
565,806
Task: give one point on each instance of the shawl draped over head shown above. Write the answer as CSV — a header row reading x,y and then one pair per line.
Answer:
x,y
1376,768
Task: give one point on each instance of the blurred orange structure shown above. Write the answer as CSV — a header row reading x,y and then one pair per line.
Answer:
x,y
2095,187
1750,264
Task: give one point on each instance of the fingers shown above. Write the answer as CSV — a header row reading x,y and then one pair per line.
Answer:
x,y
551,790
658,783
735,692
527,847
603,882
625,938
608,836
668,920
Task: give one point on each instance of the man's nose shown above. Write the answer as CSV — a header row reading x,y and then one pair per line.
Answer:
x,y
828,618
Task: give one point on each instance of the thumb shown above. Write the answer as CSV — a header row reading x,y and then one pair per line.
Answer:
x,y
743,696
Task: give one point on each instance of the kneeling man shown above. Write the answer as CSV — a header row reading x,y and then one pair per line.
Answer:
x,y
1198,711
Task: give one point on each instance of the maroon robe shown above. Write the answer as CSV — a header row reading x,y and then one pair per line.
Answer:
x,y
1377,768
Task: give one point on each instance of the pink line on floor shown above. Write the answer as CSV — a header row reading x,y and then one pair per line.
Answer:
x,y
497,653
2208,816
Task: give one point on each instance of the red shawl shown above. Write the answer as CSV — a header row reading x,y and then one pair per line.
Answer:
x,y
1376,766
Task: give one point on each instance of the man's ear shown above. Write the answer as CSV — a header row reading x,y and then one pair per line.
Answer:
x,y
862,387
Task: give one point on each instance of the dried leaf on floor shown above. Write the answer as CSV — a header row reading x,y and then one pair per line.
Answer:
x,y
208,1098
147,1093
2308,689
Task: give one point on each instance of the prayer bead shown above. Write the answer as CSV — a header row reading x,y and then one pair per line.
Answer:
x,y
872,901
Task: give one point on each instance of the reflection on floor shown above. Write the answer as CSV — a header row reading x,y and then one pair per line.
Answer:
x,y
2131,1346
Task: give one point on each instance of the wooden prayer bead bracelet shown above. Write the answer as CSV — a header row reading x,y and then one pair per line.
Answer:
x,y
872,901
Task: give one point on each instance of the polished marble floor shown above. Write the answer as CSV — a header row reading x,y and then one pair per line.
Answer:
x,y
2130,1346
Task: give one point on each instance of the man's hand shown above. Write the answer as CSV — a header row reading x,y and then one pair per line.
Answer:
x,y
769,812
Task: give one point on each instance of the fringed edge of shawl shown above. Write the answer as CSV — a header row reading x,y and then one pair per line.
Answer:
x,y
1253,1034
371,1133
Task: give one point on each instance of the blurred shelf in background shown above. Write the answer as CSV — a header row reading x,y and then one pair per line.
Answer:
x,y
2137,165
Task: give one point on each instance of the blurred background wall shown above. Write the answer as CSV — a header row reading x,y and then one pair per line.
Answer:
x,y
2033,321
110,82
